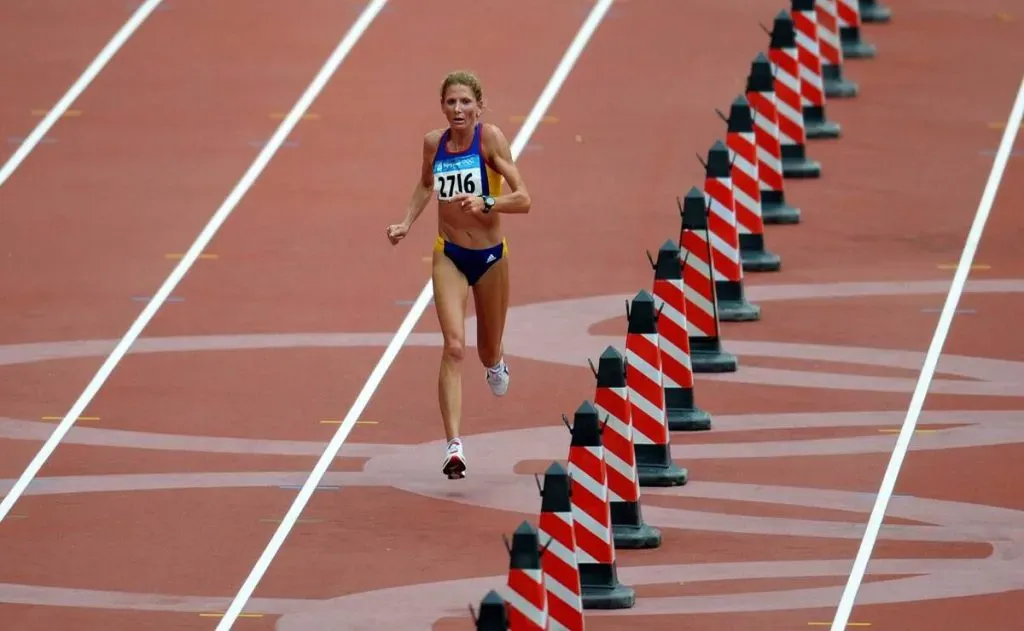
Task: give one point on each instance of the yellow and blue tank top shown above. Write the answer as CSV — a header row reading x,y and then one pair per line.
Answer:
x,y
464,171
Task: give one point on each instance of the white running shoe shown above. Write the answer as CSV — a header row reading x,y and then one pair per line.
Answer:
x,y
454,461
497,378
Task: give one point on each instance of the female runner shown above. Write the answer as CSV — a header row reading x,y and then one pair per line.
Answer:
x,y
465,163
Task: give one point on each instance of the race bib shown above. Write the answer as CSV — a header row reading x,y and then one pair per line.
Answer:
x,y
453,176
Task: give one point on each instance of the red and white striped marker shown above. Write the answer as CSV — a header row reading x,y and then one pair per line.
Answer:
x,y
612,402
725,240
812,84
746,189
854,47
644,382
591,514
674,342
761,96
706,352
526,596
782,53
836,84
559,563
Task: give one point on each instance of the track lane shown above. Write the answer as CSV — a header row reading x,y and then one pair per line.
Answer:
x,y
44,49
173,130
982,326
218,128
382,510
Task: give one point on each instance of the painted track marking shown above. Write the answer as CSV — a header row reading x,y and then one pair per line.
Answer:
x,y
547,96
76,89
65,114
311,116
178,255
975,267
209,230
59,418
931,361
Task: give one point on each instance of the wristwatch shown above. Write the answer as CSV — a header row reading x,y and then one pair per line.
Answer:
x,y
488,203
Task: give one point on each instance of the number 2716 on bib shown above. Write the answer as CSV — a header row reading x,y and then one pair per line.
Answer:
x,y
453,183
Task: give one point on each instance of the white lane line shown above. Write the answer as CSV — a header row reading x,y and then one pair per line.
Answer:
x,y
79,86
931,361
287,125
572,54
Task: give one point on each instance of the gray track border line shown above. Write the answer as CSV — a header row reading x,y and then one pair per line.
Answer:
x,y
91,72
344,47
931,361
547,96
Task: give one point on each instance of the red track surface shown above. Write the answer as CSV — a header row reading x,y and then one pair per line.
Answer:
x,y
177,516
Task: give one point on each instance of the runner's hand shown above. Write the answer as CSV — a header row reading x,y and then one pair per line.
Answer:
x,y
472,204
397,232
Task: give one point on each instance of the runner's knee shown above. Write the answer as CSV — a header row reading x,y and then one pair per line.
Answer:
x,y
454,349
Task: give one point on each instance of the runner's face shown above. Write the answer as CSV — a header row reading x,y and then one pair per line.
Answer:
x,y
460,107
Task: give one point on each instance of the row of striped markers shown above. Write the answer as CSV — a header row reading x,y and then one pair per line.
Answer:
x,y
621,441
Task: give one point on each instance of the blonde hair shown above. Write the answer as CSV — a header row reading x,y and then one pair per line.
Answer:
x,y
466,78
